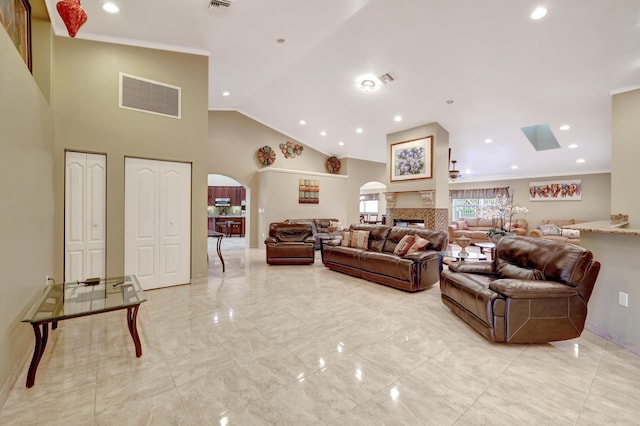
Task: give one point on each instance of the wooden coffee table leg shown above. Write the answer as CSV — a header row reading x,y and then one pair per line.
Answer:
x,y
132,315
41,343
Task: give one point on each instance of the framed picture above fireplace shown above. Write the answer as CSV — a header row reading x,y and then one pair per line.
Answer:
x,y
412,159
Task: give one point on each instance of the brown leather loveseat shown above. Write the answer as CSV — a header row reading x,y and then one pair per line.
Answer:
x,y
377,261
290,244
535,290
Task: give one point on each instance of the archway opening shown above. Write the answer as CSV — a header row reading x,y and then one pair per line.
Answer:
x,y
373,205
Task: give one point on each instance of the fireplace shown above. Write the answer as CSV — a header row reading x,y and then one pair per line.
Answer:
x,y
430,218
417,223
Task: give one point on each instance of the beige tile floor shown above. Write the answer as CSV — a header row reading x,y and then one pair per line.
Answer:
x,y
294,345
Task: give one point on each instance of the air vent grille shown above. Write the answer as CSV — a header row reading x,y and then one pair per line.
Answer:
x,y
386,78
150,96
220,3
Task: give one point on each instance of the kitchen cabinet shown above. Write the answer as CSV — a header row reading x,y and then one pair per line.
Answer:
x,y
211,196
236,194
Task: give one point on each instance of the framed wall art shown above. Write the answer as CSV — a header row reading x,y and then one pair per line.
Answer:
x,y
309,191
15,16
561,190
412,159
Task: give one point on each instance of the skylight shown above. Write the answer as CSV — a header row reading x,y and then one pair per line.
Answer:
x,y
541,137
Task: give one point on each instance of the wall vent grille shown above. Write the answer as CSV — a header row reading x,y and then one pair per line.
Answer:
x,y
150,96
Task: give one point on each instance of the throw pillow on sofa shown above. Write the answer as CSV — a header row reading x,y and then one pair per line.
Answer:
x,y
359,239
418,244
404,245
574,234
549,229
463,225
346,239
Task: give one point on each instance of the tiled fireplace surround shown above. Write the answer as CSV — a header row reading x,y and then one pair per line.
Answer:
x,y
434,218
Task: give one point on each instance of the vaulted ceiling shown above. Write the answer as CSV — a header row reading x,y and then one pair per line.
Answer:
x,y
482,69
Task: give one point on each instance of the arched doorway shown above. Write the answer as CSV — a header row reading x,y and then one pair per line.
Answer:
x,y
373,205
227,212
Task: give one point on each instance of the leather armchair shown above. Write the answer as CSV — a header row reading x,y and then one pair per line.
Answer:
x,y
535,290
290,244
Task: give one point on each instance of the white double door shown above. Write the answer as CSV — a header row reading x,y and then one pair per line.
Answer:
x,y
157,242
84,215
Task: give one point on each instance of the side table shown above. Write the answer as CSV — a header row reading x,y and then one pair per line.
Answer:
x,y
78,299
219,236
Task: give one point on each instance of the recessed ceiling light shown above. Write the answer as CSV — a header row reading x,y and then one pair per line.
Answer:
x,y
397,118
280,40
368,83
302,122
323,133
450,101
565,127
110,7
359,130
225,93
514,167
467,172
573,146
580,160
488,140
539,13
341,143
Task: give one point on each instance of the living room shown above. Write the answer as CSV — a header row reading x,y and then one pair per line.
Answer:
x,y
42,119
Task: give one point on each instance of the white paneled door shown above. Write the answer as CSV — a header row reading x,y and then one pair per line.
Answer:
x,y
84,215
157,246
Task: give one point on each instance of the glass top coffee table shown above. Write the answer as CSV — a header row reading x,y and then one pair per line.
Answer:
x,y
81,298
460,255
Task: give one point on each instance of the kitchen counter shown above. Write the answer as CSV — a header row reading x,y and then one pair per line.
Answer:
x,y
228,224
605,227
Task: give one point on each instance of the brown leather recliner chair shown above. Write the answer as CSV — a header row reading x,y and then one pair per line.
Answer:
x,y
290,244
534,291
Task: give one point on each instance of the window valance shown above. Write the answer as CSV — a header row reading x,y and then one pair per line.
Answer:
x,y
369,197
479,193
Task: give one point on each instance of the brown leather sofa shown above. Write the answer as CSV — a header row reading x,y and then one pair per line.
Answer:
x,y
535,291
319,227
290,244
378,263
476,229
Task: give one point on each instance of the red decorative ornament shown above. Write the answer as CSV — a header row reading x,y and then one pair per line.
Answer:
x,y
72,14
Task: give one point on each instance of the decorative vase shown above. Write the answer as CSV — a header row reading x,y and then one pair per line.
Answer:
x,y
463,242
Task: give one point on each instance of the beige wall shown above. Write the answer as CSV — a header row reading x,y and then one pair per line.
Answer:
x,y
625,156
27,213
619,254
234,140
87,117
595,203
279,198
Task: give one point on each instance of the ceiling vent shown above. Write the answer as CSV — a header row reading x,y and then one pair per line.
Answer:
x,y
150,96
386,78
219,3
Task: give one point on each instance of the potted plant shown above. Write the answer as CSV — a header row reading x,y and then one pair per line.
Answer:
x,y
503,209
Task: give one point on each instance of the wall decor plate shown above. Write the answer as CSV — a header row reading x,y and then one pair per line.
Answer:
x,y
266,155
290,150
333,164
